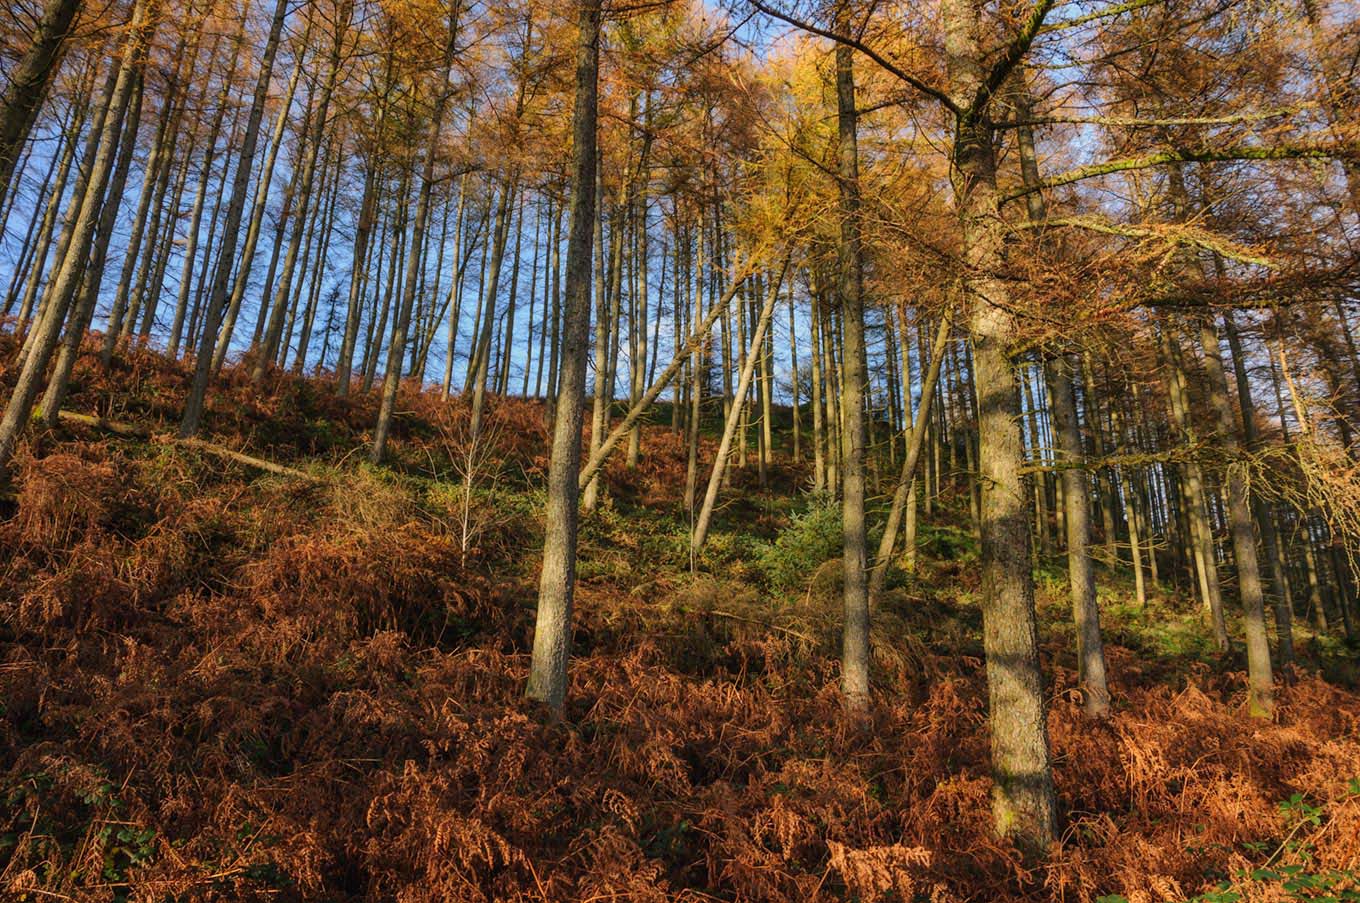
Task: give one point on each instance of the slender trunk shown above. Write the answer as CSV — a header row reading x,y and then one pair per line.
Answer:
x,y
640,407
1262,692
223,342
397,350
94,270
1269,540
67,280
552,627
701,525
266,352
907,480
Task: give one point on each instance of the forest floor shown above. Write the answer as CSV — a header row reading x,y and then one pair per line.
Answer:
x,y
222,683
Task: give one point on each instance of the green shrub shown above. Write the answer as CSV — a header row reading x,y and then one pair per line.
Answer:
x,y
812,538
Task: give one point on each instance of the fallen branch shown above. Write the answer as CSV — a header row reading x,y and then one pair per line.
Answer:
x,y
137,431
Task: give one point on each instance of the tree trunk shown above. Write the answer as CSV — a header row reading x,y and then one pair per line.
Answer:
x,y
26,84
915,442
1024,804
552,627
1262,693
68,277
701,525
397,350
265,353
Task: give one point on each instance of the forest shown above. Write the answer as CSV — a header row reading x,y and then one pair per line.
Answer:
x,y
695,450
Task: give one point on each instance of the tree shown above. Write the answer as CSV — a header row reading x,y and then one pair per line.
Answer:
x,y
552,627
26,85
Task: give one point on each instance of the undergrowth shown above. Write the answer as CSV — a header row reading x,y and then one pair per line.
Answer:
x,y
223,685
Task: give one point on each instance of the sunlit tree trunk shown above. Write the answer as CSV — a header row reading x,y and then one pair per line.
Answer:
x,y
552,627
26,84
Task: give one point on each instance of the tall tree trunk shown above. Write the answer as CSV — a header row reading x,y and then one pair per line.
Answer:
x,y
552,626
226,257
1269,540
318,127
1076,496
855,641
1261,701
1024,803
1077,516
93,276
260,205
1199,532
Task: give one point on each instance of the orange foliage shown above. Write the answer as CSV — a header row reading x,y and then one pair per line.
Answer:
x,y
218,687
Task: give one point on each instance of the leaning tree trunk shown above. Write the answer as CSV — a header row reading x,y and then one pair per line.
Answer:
x,y
397,350
67,280
27,84
93,277
915,443
265,353
700,534
552,626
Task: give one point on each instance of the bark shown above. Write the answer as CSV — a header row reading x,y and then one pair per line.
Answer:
x,y
552,627
27,83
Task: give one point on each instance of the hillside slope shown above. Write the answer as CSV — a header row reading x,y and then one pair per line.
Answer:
x,y
223,683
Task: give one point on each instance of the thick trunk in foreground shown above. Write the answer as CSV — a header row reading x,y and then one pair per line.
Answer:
x,y
552,626
1024,805
855,640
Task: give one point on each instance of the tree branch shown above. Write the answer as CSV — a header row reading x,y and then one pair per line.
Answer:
x,y
863,48
1161,158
